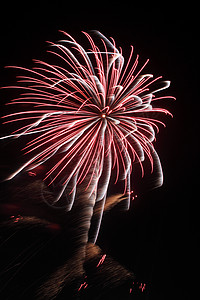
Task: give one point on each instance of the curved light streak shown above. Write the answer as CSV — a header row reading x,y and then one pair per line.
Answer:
x,y
91,111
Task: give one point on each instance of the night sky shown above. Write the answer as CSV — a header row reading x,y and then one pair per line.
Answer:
x,y
152,238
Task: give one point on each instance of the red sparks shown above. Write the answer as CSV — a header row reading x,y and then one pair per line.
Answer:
x,y
101,260
16,219
90,111
142,287
83,285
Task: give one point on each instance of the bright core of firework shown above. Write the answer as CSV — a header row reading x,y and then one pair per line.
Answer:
x,y
91,114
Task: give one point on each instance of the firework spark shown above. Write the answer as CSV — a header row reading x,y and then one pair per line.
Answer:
x,y
90,115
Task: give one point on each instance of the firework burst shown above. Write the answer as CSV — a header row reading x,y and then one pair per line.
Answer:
x,y
92,114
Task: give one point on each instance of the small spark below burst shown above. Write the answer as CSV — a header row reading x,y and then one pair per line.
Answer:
x,y
101,260
16,219
83,285
133,197
140,286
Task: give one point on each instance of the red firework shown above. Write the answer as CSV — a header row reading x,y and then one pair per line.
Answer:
x,y
92,112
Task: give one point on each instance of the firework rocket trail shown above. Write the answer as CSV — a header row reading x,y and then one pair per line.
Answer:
x,y
92,111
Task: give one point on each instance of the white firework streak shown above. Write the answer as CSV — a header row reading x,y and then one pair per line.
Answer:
x,y
90,111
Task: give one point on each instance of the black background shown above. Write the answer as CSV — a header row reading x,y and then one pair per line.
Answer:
x,y
152,238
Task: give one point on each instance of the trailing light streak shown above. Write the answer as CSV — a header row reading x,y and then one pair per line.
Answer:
x,y
90,111
101,260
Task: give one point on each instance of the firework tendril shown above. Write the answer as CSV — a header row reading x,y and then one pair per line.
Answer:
x,y
93,114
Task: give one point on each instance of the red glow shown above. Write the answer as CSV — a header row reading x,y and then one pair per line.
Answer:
x,y
54,226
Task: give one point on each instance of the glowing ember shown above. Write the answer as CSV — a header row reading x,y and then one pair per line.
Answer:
x,y
101,260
